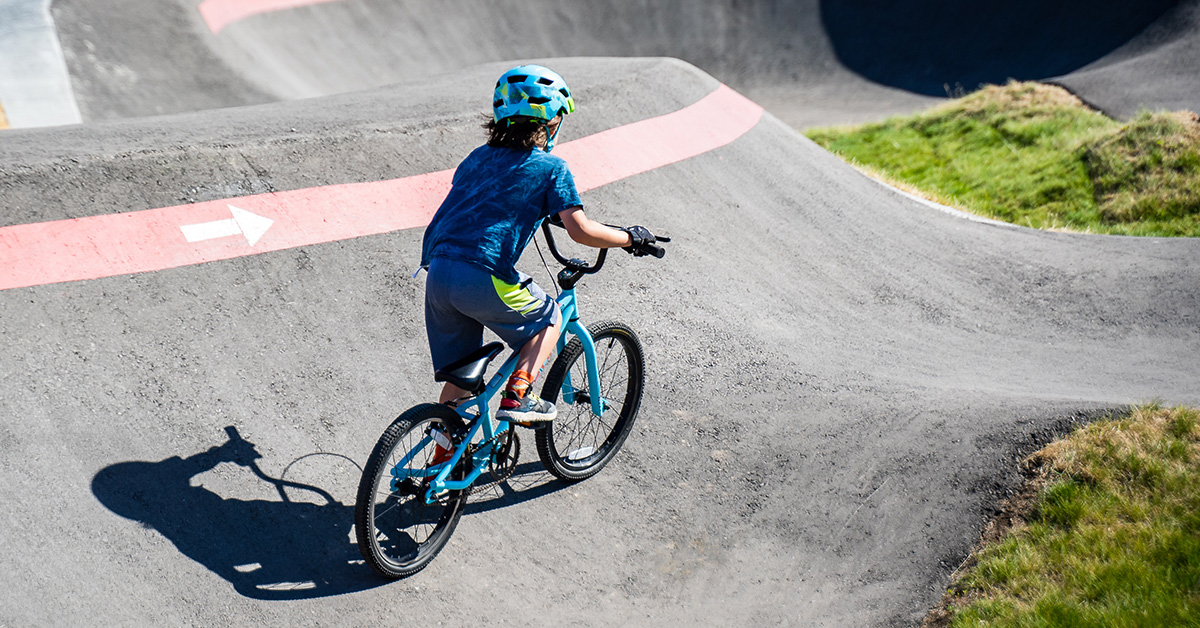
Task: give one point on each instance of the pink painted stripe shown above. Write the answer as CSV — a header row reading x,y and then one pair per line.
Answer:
x,y
221,13
148,240
612,155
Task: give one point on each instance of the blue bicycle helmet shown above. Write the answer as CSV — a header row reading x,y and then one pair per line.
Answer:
x,y
531,93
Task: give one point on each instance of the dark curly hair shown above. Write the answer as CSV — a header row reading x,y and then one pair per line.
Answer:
x,y
525,134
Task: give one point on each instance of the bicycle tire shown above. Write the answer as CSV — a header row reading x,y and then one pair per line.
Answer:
x,y
578,444
398,533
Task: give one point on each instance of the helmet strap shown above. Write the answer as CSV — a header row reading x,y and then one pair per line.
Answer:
x,y
550,140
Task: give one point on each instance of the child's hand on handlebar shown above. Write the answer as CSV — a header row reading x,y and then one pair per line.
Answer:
x,y
644,242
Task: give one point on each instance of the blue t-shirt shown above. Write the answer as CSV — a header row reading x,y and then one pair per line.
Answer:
x,y
498,199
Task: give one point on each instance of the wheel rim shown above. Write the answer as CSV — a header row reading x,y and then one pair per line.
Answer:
x,y
581,438
405,528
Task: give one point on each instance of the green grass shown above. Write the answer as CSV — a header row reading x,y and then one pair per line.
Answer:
x,y
1034,155
1113,538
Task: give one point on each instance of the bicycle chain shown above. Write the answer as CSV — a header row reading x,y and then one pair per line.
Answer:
x,y
510,461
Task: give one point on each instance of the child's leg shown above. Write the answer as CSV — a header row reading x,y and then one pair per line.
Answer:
x,y
535,352
531,359
450,392
518,404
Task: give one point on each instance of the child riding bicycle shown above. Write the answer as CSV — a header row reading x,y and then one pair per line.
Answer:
x,y
500,195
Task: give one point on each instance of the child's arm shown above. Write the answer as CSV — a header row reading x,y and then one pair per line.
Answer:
x,y
588,232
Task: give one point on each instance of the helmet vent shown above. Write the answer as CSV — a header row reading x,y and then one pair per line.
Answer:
x,y
517,78
545,81
538,100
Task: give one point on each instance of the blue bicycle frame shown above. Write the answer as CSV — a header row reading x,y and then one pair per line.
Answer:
x,y
477,412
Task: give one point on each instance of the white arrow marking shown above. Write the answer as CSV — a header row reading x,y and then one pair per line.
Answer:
x,y
252,226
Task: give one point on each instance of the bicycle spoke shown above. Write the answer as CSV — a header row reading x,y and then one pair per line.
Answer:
x,y
398,532
380,513
579,442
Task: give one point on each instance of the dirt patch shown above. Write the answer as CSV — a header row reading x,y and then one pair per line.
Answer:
x,y
1025,95
1036,470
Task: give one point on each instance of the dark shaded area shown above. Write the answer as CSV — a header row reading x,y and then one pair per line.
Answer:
x,y
529,481
271,550
933,47
1157,70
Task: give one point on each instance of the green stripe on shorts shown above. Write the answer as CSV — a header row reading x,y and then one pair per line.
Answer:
x,y
515,296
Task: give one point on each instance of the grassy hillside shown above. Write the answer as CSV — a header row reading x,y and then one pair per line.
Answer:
x,y
1035,155
1109,534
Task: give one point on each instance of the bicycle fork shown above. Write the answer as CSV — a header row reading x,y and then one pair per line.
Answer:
x,y
570,394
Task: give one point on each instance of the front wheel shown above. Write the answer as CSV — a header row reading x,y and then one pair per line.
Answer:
x,y
577,444
398,532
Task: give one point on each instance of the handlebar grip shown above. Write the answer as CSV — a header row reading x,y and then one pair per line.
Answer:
x,y
656,250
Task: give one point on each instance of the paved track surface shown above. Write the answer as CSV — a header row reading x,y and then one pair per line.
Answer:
x,y
841,379
1155,70
810,62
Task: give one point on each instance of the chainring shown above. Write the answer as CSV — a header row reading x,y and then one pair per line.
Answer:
x,y
503,461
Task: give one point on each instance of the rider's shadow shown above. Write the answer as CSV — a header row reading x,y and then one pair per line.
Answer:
x,y
528,482
266,549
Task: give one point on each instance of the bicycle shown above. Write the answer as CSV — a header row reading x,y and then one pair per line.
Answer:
x,y
418,477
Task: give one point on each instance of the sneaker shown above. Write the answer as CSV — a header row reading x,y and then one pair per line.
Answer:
x,y
529,409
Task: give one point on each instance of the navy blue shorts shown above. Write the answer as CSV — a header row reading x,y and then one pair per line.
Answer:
x,y
462,298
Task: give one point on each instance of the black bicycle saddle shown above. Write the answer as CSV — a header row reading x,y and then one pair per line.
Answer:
x,y
467,372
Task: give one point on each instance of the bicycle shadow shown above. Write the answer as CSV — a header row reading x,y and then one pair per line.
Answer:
x,y
270,550
529,481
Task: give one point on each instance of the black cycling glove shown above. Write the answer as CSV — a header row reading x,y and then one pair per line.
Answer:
x,y
641,236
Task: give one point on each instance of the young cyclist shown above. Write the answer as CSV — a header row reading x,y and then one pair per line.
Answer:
x,y
501,193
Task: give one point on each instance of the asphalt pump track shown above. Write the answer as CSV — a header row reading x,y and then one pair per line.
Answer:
x,y
841,379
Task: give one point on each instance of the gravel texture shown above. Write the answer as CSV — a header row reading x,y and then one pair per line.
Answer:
x,y
840,379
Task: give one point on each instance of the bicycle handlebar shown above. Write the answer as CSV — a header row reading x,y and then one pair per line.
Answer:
x,y
656,250
572,264
574,269
246,455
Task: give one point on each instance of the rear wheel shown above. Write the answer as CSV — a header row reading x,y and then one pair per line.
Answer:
x,y
578,444
399,533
